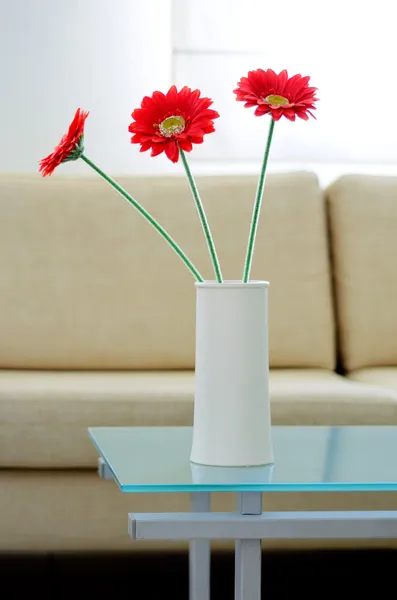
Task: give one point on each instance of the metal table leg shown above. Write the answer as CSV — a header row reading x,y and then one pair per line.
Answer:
x,y
104,471
199,553
248,526
248,553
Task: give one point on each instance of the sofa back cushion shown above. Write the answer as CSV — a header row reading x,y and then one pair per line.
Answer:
x,y
86,283
363,222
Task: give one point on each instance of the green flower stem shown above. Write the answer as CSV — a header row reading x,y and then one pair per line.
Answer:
x,y
203,218
257,207
147,216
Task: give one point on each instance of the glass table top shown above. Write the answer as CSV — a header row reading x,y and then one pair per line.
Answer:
x,y
307,459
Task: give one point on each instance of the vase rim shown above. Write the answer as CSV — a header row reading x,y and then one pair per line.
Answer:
x,y
232,283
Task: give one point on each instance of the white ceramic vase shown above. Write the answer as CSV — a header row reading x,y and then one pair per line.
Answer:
x,y
232,425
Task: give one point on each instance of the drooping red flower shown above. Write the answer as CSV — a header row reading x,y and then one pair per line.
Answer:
x,y
70,147
277,94
167,122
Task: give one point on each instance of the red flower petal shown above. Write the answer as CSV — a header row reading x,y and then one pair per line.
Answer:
x,y
258,85
156,149
145,146
277,114
261,110
186,145
282,81
172,151
69,148
191,113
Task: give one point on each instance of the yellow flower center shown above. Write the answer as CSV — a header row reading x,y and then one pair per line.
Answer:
x,y
275,100
172,126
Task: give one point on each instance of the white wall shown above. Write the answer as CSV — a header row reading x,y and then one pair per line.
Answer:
x,y
58,55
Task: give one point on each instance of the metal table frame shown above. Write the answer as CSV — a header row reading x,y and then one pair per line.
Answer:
x,y
248,526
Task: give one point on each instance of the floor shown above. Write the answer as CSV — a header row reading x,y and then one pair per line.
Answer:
x,y
347,574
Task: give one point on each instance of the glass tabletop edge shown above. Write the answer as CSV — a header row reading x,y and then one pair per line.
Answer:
x,y
269,488
288,487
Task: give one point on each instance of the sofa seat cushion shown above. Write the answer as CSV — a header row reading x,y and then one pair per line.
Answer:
x,y
385,377
317,397
44,415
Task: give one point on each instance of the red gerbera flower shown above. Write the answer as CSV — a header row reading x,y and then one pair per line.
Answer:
x,y
167,122
277,94
69,148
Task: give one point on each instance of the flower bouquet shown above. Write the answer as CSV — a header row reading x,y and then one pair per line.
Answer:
x,y
232,407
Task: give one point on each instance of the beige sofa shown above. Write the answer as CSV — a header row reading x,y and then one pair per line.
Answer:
x,y
97,328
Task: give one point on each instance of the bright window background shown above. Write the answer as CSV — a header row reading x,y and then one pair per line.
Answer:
x,y
347,46
106,55
101,55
